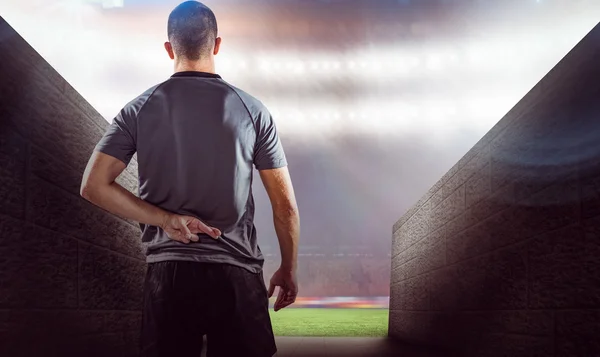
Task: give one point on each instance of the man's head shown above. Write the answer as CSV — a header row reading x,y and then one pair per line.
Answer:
x,y
192,31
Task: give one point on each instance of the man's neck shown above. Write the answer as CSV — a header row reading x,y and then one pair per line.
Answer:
x,y
195,66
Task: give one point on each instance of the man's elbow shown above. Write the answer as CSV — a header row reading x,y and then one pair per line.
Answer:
x,y
84,191
87,190
286,211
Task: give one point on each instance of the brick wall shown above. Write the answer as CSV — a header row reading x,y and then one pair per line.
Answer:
x,y
70,274
502,256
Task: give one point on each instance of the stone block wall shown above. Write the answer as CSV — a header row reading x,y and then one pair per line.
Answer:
x,y
502,256
70,273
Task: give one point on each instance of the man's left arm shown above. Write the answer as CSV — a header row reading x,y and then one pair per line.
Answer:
x,y
98,185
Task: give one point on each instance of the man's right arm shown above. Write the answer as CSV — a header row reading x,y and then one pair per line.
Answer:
x,y
278,185
270,161
286,218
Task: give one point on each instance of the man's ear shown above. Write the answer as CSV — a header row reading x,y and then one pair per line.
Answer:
x,y
169,49
217,46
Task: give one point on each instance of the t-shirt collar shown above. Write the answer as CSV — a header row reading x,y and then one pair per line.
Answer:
x,y
195,74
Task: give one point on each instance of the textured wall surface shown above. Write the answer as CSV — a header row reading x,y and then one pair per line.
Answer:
x,y
70,274
502,256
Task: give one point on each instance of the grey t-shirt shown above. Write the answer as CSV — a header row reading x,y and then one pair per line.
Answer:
x,y
197,139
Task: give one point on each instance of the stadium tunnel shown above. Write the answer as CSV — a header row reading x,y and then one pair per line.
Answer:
x,y
499,258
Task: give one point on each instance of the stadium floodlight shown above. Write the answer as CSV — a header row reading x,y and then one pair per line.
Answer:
x,y
106,4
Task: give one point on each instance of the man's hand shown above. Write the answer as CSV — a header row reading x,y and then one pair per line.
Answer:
x,y
288,288
185,228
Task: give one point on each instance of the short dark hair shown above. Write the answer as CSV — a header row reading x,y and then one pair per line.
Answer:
x,y
192,30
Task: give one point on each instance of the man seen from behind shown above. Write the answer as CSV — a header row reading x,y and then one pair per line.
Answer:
x,y
197,140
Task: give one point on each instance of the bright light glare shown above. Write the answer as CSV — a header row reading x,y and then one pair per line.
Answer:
x,y
394,88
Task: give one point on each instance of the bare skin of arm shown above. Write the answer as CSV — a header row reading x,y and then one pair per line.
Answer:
x,y
99,187
286,219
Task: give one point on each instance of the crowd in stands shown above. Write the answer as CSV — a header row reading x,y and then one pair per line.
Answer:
x,y
321,276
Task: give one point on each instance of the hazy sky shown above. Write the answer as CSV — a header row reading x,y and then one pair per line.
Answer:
x,y
375,100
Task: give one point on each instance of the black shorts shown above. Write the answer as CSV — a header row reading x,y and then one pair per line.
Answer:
x,y
185,300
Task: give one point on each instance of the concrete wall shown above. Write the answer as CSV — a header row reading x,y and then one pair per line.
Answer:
x,y
501,256
70,274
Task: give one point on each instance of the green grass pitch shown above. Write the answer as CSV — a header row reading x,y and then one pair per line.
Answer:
x,y
330,322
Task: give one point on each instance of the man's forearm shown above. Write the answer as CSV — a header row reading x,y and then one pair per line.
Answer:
x,y
117,200
287,227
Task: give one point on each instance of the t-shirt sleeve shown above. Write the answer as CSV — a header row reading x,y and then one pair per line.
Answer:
x,y
268,151
119,141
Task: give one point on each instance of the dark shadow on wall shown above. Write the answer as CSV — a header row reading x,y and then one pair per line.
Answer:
x,y
499,258
70,274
